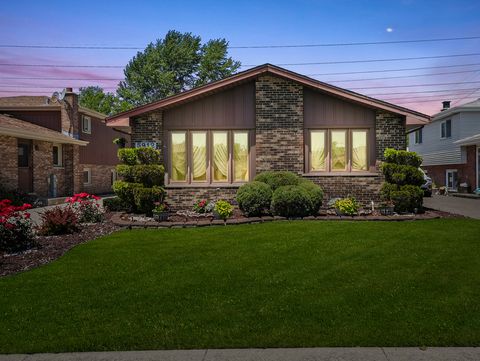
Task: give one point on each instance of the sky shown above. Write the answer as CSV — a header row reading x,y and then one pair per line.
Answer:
x,y
253,23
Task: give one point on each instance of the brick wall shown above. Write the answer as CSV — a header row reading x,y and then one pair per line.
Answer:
x,y
390,132
279,124
184,198
8,162
101,179
149,127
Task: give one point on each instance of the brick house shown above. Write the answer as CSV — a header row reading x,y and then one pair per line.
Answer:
x,y
53,147
216,137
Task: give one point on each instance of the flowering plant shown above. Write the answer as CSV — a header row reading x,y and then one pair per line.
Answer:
x,y
202,206
223,209
160,207
86,207
15,226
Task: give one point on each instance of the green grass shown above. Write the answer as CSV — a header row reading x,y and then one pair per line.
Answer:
x,y
286,284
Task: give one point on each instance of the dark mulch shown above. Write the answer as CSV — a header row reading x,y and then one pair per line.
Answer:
x,y
49,248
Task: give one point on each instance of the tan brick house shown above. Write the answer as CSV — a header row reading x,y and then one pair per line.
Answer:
x,y
53,147
216,137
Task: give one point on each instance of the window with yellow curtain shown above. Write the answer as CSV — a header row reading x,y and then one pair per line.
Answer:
x,y
220,156
317,151
338,150
179,156
240,156
359,150
199,156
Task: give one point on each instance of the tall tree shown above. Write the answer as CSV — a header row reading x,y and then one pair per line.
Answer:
x,y
93,97
174,64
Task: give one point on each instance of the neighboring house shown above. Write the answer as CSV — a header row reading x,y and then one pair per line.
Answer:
x,y
450,145
218,136
53,147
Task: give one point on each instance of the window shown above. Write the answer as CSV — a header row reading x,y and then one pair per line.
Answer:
x,y
338,150
86,124
451,179
419,136
57,155
446,129
210,157
87,176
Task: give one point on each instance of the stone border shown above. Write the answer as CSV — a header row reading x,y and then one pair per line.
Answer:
x,y
119,221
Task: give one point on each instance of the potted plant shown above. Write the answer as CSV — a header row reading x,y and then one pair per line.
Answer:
x,y
121,142
223,210
160,212
346,207
386,208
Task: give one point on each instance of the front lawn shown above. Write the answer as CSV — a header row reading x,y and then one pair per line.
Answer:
x,y
282,284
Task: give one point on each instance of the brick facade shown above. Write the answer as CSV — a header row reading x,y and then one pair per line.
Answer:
x,y
149,128
390,132
101,178
8,162
279,124
184,198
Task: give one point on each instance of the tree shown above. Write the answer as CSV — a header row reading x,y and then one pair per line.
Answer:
x,y
93,97
174,64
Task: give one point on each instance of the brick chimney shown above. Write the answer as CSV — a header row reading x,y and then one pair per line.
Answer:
x,y
70,118
446,105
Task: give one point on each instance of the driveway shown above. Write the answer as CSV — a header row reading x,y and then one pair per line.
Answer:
x,y
463,206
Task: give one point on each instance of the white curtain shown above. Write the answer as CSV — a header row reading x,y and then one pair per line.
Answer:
x,y
220,162
199,163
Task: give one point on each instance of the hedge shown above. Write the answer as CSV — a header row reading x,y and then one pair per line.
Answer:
x,y
254,198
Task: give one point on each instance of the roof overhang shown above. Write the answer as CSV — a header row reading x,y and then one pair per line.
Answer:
x,y
123,119
28,134
91,113
473,140
450,112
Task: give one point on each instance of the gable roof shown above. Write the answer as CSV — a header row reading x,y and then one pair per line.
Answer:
x,y
473,106
14,127
123,119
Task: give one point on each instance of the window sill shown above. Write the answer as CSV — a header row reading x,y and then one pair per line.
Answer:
x,y
204,185
341,174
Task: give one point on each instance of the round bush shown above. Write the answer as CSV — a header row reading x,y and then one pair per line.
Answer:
x,y
291,201
316,195
254,198
145,198
407,198
278,179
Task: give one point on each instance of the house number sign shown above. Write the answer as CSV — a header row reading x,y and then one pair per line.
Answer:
x,y
145,143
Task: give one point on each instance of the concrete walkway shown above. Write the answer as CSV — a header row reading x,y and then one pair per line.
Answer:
x,y
462,206
273,354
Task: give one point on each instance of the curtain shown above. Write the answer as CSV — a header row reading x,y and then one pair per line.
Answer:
x,y
220,162
179,157
359,150
240,156
199,163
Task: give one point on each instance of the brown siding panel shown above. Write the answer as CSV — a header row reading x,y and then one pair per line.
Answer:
x,y
47,119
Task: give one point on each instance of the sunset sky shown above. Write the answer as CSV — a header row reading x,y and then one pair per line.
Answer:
x,y
252,23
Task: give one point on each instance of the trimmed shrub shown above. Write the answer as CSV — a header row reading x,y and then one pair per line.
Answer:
x,y
316,194
406,198
114,204
128,156
291,201
402,174
125,191
254,198
347,206
59,220
148,175
276,179
147,155
402,157
145,198
223,209
125,171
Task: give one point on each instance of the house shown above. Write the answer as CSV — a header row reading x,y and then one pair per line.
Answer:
x,y
216,137
449,146
53,147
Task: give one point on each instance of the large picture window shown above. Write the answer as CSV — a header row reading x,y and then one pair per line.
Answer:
x,y
338,150
211,157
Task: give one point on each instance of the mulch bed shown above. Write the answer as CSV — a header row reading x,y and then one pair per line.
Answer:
x,y
49,248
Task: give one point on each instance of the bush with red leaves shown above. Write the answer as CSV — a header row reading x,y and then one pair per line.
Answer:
x,y
59,220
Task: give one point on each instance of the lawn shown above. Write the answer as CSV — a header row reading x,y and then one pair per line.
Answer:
x,y
289,284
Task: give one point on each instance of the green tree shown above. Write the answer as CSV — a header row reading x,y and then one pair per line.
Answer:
x,y
94,97
171,65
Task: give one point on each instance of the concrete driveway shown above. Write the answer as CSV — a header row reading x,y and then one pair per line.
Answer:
x,y
463,206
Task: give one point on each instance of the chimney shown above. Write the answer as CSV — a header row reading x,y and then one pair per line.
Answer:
x,y
445,105
70,117
69,90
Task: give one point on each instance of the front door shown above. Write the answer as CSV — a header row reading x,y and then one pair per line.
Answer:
x,y
25,173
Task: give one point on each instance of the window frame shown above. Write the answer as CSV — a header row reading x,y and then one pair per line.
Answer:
x,y
444,124
451,189
86,129
59,164
89,171
418,136
328,156
209,182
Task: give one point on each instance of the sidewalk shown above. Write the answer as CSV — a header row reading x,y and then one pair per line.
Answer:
x,y
272,354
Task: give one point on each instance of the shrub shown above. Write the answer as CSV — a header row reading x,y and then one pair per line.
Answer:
x,y
147,155
407,198
402,174
148,175
347,206
15,226
145,198
17,197
202,206
58,220
278,179
291,201
316,194
402,157
128,156
125,191
254,198
125,172
86,207
223,209
114,204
